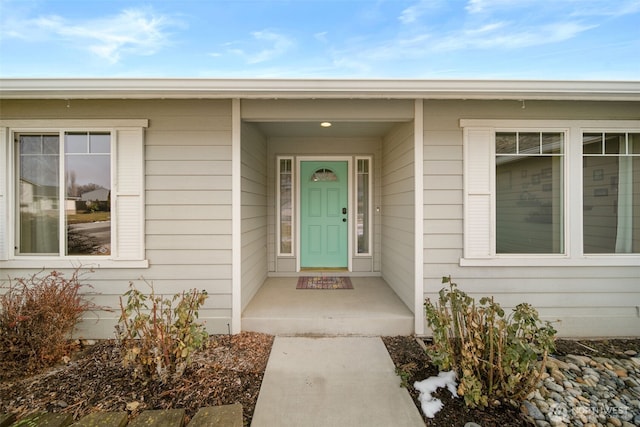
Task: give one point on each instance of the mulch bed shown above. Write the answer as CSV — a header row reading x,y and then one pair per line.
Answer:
x,y
229,371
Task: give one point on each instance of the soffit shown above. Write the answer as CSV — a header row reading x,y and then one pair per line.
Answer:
x,y
312,129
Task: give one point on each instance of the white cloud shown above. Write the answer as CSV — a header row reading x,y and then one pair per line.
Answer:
x,y
321,36
571,7
268,45
510,36
492,36
481,6
414,12
132,31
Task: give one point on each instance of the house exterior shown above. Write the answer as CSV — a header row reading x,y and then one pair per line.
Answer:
x,y
525,190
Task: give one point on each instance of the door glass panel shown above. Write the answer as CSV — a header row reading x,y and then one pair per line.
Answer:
x,y
324,174
285,206
362,215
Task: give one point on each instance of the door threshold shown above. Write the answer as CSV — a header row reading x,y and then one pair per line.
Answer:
x,y
321,269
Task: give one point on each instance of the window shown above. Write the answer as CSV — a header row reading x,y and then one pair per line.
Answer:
x,y
72,221
551,192
324,175
285,206
73,191
363,232
611,192
529,192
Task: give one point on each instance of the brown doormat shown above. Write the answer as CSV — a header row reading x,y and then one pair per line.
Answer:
x,y
324,282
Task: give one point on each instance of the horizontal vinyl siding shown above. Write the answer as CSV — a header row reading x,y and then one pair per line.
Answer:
x,y
588,301
188,182
187,198
254,212
397,192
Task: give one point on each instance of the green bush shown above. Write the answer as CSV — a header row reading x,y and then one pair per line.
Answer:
x,y
496,358
38,315
158,335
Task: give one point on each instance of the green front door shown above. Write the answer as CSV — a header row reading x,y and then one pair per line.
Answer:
x,y
323,214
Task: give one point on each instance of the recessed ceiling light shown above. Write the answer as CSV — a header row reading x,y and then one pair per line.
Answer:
x,y
325,124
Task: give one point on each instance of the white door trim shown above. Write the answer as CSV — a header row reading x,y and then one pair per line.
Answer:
x,y
350,184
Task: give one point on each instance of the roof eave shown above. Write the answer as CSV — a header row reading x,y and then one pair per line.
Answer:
x,y
150,88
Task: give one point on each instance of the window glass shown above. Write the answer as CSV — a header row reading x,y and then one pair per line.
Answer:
x,y
38,194
611,195
88,194
552,143
529,143
86,206
323,174
592,143
529,194
285,202
506,143
634,143
362,220
614,143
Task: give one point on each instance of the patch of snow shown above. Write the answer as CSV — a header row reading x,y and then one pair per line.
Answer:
x,y
430,405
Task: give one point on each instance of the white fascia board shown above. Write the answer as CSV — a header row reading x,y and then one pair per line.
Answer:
x,y
153,88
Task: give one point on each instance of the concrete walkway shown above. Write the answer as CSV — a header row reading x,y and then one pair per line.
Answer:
x,y
335,381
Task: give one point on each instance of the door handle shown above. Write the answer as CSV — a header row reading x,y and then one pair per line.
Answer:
x,y
344,210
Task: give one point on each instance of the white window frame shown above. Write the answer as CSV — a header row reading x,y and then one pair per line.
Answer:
x,y
292,253
479,193
369,231
127,175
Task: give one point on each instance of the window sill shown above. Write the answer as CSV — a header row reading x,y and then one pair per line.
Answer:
x,y
542,261
47,264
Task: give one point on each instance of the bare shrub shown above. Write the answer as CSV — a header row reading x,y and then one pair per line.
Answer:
x,y
497,357
158,335
37,317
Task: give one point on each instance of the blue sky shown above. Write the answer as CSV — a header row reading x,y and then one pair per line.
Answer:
x,y
430,39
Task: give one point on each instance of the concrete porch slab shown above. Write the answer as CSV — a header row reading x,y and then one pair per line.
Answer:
x,y
370,309
332,381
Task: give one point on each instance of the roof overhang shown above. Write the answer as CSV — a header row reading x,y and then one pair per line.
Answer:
x,y
155,88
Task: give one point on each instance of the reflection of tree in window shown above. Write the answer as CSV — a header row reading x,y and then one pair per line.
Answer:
x,y
86,167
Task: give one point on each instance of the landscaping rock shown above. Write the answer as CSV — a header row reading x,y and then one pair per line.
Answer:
x,y
581,391
532,410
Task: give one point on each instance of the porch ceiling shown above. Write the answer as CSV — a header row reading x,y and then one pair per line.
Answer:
x,y
338,129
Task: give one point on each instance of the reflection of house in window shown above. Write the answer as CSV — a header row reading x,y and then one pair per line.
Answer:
x,y
529,200
95,200
99,194
37,198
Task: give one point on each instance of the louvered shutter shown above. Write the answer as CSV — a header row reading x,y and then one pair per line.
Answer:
x,y
129,194
4,214
478,219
